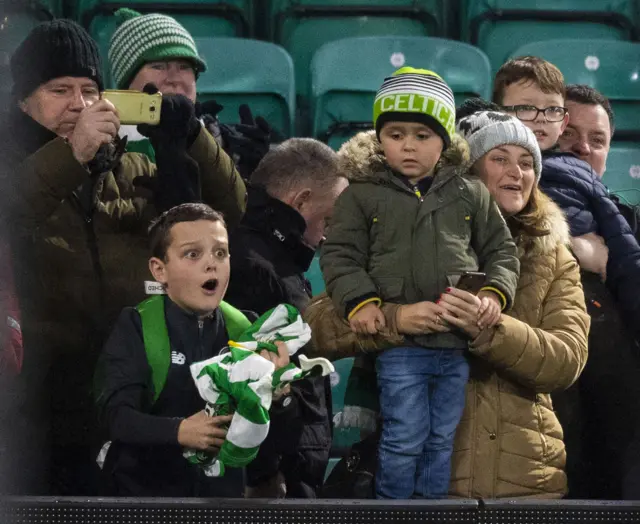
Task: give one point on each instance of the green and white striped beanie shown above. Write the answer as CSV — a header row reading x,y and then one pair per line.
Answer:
x,y
140,39
242,382
416,95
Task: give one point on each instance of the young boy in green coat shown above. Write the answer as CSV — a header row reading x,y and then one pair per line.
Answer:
x,y
405,231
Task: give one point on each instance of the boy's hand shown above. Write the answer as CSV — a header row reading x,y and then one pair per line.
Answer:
x,y
368,320
202,432
490,309
281,359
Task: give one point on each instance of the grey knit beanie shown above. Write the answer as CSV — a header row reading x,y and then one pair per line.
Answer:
x,y
486,130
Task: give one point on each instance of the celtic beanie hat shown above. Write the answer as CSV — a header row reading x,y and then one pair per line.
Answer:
x,y
486,130
140,39
416,95
52,50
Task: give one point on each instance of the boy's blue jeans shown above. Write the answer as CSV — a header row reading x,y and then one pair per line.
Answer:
x,y
422,395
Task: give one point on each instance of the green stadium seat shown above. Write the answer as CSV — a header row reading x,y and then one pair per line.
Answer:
x,y
244,71
622,176
303,26
347,73
499,27
610,66
202,18
342,438
15,23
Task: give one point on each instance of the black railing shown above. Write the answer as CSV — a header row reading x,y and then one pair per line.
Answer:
x,y
28,510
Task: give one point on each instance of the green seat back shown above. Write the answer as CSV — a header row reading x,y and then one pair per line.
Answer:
x,y
347,73
499,27
342,438
15,23
610,66
202,18
314,276
243,71
622,176
303,26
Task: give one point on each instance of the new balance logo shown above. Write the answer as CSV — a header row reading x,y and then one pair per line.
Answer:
x,y
178,358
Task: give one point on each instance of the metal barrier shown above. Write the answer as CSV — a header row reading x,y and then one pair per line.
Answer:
x,y
49,510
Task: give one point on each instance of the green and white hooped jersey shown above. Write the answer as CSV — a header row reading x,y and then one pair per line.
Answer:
x,y
242,382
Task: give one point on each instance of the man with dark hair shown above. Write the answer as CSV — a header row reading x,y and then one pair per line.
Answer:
x,y
591,126
291,199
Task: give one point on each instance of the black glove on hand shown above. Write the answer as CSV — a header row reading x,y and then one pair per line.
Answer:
x,y
177,179
178,122
247,141
208,112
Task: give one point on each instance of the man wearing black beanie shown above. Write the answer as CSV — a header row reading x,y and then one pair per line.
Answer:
x,y
77,209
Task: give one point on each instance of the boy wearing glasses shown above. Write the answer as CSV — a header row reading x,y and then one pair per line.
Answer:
x,y
598,423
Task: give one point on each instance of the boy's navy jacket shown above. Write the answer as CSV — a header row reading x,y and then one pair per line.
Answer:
x,y
576,188
145,459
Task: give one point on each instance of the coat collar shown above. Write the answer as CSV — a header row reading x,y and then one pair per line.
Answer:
x,y
280,223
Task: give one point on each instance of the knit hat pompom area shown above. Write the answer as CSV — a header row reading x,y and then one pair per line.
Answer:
x,y
52,50
486,130
139,39
416,95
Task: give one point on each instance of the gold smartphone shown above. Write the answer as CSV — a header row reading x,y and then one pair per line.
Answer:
x,y
135,107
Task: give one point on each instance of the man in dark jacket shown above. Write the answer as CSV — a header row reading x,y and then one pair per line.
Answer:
x,y
601,419
290,203
78,209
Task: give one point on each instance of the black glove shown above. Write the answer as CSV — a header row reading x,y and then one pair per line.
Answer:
x,y
177,179
178,122
108,156
248,141
208,112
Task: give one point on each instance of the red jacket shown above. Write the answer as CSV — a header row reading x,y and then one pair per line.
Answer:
x,y
11,351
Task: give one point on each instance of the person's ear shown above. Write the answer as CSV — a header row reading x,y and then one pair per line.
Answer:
x,y
301,199
158,270
565,122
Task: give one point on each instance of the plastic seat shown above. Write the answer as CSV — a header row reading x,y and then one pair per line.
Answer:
x,y
610,66
342,438
243,71
15,23
347,73
303,26
499,27
622,176
202,18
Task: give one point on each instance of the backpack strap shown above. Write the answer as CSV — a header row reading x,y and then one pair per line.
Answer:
x,y
235,320
156,341
156,336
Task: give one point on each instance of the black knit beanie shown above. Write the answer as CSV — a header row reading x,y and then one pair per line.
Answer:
x,y
52,50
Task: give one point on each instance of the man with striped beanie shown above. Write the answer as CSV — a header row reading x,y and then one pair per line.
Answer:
x,y
156,49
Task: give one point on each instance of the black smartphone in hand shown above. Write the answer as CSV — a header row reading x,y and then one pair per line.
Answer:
x,y
471,281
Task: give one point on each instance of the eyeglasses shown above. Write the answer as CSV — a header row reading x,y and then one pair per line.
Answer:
x,y
528,113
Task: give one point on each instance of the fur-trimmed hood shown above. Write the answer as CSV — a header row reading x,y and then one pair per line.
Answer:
x,y
361,158
554,221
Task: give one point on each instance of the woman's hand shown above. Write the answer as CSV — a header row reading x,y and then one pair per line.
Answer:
x,y
461,309
421,318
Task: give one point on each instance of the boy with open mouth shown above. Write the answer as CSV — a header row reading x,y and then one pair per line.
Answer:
x,y
151,415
